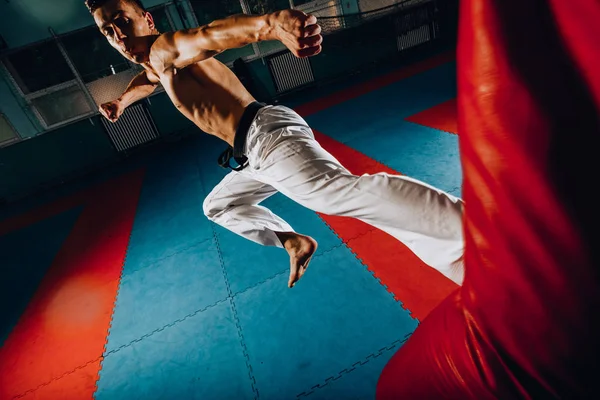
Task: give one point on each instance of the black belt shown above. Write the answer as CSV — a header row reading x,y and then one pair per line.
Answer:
x,y
239,141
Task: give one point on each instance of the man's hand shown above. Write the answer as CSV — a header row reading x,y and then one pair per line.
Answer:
x,y
112,110
298,31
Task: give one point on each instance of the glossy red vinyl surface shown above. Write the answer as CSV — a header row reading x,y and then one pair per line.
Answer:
x,y
524,323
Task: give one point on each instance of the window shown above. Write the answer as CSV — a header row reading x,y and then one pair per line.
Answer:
x,y
38,67
209,10
47,83
58,95
92,56
7,132
301,2
267,6
62,105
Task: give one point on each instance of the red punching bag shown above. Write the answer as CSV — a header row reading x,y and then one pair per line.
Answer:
x,y
525,322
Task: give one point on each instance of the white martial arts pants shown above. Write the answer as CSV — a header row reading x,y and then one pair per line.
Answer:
x,y
284,157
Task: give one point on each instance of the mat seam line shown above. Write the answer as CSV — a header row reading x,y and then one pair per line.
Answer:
x,y
107,331
354,366
191,246
231,296
145,336
104,352
238,327
175,322
121,273
368,269
56,378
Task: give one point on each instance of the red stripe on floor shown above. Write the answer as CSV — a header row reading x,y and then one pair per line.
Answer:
x,y
442,117
53,208
373,84
419,287
75,386
65,325
38,214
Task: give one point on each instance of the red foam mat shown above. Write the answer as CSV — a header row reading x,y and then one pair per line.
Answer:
x,y
63,331
77,385
442,117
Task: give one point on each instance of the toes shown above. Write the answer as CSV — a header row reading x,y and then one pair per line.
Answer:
x,y
303,269
296,273
293,279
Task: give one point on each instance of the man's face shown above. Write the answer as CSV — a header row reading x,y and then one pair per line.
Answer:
x,y
126,28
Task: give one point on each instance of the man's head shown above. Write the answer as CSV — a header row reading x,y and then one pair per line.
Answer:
x,y
126,24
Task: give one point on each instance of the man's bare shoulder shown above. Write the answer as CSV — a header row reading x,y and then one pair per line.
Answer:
x,y
163,52
180,49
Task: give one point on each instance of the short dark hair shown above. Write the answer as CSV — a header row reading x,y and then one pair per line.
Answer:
x,y
93,5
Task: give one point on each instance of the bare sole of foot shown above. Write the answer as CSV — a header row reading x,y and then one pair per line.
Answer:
x,y
301,249
300,258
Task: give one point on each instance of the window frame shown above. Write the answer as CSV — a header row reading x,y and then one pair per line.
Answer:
x,y
16,138
76,81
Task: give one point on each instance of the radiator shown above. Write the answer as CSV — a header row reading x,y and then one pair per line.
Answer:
x,y
413,38
289,71
134,127
415,27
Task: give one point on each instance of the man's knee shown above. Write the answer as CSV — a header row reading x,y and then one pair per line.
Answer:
x,y
209,207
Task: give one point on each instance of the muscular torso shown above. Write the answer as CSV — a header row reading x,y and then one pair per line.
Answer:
x,y
210,95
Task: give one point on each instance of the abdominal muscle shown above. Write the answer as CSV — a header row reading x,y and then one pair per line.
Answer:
x,y
210,95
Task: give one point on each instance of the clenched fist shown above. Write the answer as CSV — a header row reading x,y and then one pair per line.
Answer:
x,y
112,110
298,31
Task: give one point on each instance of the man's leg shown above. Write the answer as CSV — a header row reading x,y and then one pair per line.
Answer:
x,y
425,219
234,204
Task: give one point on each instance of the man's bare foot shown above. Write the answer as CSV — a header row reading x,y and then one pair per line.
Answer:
x,y
301,249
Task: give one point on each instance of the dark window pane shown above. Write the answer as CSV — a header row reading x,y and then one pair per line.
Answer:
x,y
62,105
267,6
300,2
38,67
7,133
210,10
92,56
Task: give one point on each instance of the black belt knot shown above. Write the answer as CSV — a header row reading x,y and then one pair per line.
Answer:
x,y
239,141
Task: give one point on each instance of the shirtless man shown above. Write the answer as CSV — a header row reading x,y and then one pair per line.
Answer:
x,y
275,145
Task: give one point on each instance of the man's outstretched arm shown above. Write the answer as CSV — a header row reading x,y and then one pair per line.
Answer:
x,y
298,31
141,86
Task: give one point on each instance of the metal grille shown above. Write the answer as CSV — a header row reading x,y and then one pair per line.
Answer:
x,y
414,38
415,27
111,87
369,10
290,72
134,127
